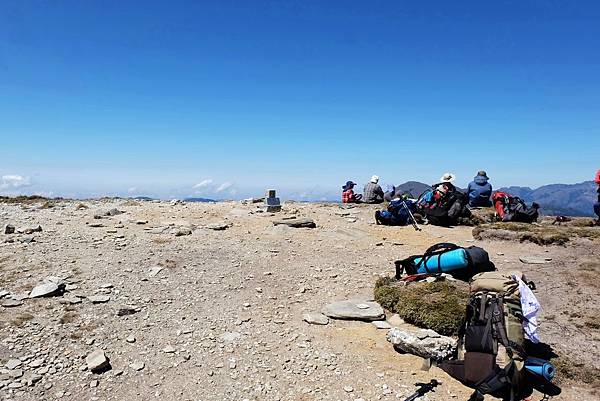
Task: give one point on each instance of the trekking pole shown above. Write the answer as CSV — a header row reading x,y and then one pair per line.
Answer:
x,y
412,218
423,389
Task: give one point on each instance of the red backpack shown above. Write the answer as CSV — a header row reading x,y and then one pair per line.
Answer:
x,y
597,180
501,200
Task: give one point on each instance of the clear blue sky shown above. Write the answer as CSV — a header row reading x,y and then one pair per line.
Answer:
x,y
226,98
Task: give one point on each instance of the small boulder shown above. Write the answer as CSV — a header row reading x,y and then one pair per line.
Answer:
x,y
9,229
315,318
137,365
98,299
49,287
218,226
97,361
180,232
13,364
423,342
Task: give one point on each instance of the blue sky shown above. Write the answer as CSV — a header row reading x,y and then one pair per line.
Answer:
x,y
226,98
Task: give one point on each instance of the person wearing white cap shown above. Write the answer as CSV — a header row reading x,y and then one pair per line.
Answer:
x,y
373,192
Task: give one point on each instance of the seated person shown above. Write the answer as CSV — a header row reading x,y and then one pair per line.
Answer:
x,y
348,195
373,192
439,192
480,191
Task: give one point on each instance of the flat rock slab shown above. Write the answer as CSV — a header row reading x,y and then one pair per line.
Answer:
x,y
99,299
137,365
296,223
218,226
13,364
423,343
535,260
381,324
230,336
352,310
315,318
97,361
154,271
10,303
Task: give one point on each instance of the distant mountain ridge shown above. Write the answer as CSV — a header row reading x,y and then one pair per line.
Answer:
x,y
554,199
203,200
415,188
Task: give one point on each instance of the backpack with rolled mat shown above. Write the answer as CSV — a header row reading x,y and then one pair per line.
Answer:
x,y
495,361
461,263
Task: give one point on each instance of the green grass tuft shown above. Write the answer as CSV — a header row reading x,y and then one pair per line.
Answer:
x,y
439,306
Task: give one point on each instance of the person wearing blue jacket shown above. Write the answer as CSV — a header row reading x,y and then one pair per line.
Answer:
x,y
480,191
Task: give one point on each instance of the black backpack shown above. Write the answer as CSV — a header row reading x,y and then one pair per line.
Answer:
x,y
448,209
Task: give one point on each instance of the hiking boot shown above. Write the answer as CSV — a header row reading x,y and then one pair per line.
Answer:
x,y
378,217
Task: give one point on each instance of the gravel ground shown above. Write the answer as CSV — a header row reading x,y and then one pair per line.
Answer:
x,y
187,310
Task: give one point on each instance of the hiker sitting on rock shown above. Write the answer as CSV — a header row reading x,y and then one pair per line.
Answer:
x,y
480,191
373,192
348,196
597,204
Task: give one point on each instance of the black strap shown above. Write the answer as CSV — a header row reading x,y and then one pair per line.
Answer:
x,y
497,381
408,265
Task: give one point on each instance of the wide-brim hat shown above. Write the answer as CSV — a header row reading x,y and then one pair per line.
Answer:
x,y
483,174
448,177
349,184
374,179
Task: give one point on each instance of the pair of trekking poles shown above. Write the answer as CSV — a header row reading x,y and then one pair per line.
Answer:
x,y
410,215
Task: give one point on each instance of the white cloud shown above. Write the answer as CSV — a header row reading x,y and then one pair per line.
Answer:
x,y
203,184
13,181
224,186
132,190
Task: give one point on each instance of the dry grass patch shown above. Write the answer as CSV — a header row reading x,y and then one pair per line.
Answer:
x,y
68,317
162,240
20,318
168,263
589,273
439,306
569,370
538,234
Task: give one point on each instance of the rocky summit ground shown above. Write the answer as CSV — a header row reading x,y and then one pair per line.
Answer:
x,y
192,301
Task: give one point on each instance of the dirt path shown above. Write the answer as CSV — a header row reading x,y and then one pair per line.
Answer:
x,y
222,320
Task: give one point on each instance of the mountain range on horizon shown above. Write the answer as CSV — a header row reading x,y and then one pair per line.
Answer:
x,y
554,199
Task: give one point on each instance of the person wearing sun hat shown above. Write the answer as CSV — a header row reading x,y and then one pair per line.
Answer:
x,y
348,195
372,192
445,183
480,191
